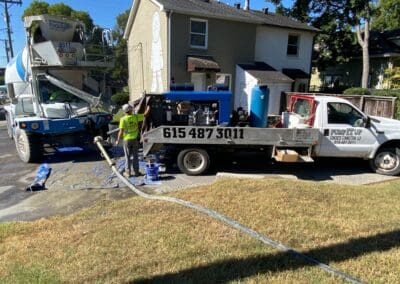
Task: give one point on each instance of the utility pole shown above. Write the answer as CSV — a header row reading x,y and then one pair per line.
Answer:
x,y
10,51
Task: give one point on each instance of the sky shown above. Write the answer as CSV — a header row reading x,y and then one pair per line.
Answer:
x,y
103,13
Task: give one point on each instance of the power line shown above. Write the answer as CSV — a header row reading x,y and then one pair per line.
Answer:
x,y
9,49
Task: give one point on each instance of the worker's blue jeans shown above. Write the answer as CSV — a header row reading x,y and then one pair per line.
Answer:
x,y
131,148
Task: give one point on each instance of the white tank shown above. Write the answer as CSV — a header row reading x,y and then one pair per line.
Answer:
x,y
18,68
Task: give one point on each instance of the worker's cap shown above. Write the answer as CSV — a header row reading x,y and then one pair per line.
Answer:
x,y
126,108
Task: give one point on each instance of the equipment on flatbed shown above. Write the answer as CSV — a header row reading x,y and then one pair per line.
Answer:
x,y
55,99
190,108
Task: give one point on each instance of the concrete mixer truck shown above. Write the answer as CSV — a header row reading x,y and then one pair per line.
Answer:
x,y
55,99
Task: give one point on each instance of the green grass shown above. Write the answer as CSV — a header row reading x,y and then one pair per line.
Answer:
x,y
353,228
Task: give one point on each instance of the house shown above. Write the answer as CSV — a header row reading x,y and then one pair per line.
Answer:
x,y
384,52
206,42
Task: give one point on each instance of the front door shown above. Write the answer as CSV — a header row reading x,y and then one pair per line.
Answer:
x,y
344,133
199,81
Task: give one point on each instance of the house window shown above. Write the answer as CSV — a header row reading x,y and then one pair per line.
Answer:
x,y
293,45
198,33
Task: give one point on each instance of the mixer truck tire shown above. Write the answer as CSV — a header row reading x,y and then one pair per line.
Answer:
x,y
193,161
9,126
386,161
29,146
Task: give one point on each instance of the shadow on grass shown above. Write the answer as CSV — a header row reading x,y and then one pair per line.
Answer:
x,y
231,269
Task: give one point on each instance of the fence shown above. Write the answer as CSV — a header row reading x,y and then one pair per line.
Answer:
x,y
370,105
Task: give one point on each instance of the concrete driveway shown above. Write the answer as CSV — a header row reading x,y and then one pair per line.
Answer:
x,y
79,179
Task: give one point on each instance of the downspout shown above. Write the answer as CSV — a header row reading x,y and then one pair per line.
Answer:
x,y
169,54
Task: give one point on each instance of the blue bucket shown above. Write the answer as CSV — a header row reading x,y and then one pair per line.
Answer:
x,y
152,172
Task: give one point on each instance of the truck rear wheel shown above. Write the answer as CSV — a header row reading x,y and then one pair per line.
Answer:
x,y
386,162
193,161
29,146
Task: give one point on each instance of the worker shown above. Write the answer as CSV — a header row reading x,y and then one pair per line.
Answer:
x,y
129,131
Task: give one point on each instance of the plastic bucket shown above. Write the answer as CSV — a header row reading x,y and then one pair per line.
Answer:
x,y
152,172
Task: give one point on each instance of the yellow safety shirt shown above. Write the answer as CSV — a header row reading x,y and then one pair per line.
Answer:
x,y
129,123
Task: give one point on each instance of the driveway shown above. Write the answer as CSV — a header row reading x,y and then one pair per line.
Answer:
x,y
79,179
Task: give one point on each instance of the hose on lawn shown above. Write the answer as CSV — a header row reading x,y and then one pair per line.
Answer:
x,y
224,219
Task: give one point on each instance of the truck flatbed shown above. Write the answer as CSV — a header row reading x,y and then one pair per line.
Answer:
x,y
229,136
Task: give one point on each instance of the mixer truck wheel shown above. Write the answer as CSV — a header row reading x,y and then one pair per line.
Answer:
x,y
193,161
386,162
29,146
9,126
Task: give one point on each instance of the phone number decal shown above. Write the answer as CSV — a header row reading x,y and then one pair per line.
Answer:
x,y
203,133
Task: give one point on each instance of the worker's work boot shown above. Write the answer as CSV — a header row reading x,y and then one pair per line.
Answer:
x,y
127,174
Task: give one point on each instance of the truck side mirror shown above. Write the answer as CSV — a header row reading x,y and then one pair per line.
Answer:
x,y
367,122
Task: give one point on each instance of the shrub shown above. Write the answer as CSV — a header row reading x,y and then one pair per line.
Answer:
x,y
120,98
357,91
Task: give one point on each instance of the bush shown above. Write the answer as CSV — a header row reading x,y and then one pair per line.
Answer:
x,y
120,98
357,91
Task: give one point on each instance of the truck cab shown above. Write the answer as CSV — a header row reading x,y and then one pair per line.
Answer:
x,y
345,131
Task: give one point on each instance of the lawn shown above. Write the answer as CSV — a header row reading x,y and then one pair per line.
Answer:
x,y
355,229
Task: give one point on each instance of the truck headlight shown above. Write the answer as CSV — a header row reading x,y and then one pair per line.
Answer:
x,y
35,125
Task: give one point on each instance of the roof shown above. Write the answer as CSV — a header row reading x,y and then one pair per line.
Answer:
x,y
257,66
219,10
265,73
295,73
381,43
196,63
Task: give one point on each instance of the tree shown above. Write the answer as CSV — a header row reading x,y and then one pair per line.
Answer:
x,y
337,19
387,16
84,17
41,7
36,8
60,9
120,71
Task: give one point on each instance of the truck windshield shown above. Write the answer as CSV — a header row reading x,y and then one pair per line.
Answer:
x,y
50,93
342,113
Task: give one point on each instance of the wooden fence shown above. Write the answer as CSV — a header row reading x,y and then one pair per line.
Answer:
x,y
370,105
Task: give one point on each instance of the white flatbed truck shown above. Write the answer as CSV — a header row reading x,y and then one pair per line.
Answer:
x,y
316,126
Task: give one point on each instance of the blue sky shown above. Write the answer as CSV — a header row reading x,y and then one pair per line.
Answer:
x,y
103,13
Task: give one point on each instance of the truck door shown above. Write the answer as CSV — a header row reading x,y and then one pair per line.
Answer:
x,y
344,133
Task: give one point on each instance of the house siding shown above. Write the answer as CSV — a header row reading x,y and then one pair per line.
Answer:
x,y
271,47
140,49
229,43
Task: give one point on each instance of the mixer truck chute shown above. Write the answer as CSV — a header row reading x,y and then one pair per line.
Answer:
x,y
55,100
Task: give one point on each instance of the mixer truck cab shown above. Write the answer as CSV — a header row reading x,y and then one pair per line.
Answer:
x,y
313,126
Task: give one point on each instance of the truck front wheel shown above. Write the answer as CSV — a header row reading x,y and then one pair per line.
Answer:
x,y
29,146
193,161
386,162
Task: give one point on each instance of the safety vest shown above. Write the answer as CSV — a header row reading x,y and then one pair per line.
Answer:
x,y
129,123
